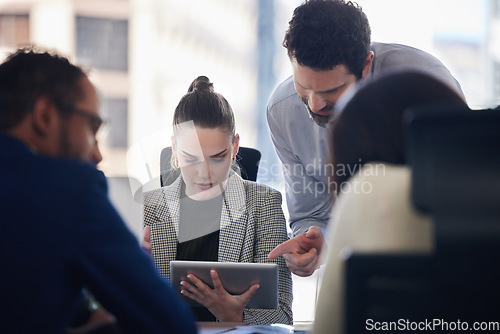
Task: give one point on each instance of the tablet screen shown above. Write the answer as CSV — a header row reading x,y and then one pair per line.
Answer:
x,y
236,277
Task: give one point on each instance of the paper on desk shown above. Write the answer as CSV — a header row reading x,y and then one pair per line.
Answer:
x,y
249,329
262,329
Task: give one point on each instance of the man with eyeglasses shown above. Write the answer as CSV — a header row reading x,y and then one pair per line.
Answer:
x,y
328,43
60,233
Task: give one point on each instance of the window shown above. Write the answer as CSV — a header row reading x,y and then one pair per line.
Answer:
x,y
115,113
102,43
14,30
496,82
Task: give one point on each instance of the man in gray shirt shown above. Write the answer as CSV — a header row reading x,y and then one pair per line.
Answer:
x,y
328,43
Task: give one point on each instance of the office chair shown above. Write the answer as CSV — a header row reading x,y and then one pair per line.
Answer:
x,y
454,154
247,165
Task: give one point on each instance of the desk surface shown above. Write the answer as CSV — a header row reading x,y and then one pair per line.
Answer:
x,y
209,327
227,327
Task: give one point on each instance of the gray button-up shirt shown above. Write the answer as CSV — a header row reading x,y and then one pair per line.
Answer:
x,y
301,144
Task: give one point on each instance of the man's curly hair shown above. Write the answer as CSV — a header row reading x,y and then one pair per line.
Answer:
x,y
30,73
326,33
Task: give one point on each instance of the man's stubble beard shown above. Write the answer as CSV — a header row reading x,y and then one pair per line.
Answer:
x,y
320,119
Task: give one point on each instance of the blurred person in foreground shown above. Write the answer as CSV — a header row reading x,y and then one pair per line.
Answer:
x,y
60,232
373,212
328,43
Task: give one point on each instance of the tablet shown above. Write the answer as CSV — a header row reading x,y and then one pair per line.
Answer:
x,y
236,277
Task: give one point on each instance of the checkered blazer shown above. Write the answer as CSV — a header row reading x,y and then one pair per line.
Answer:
x,y
252,224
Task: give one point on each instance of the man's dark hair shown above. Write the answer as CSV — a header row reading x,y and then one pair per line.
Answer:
x,y
326,33
27,75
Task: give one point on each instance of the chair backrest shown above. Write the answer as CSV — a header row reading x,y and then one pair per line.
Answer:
x,y
247,165
450,148
379,287
455,158
397,288
454,153
248,161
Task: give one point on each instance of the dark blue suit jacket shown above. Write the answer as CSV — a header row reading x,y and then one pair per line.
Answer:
x,y
59,232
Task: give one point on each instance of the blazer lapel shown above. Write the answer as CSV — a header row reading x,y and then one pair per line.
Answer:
x,y
233,220
169,211
165,233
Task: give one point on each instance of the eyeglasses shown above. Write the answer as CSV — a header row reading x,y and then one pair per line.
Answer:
x,y
95,121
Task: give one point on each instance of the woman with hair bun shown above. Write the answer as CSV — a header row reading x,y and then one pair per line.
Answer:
x,y
211,214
